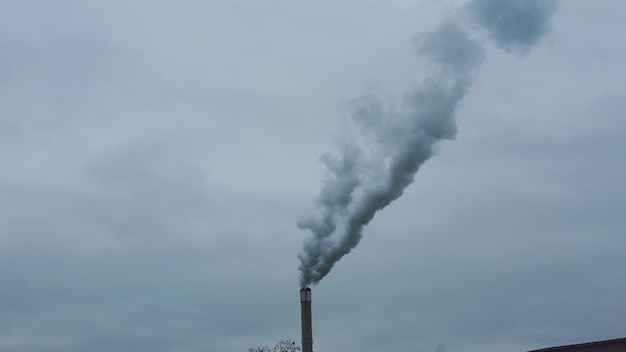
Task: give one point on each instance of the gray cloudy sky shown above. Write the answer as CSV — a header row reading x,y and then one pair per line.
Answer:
x,y
157,155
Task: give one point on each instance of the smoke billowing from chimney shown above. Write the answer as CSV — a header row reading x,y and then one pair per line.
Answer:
x,y
370,172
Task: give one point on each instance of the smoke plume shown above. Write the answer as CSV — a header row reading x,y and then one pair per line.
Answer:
x,y
373,169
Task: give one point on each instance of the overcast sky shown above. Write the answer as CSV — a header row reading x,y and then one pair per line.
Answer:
x,y
156,156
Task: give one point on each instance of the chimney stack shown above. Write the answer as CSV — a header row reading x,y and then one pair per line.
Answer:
x,y
307,327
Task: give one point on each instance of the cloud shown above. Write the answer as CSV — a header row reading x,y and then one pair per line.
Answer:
x,y
155,156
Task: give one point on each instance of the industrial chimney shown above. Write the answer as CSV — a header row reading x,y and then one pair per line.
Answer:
x,y
307,326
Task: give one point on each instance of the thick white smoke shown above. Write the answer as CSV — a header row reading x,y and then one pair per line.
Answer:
x,y
369,173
